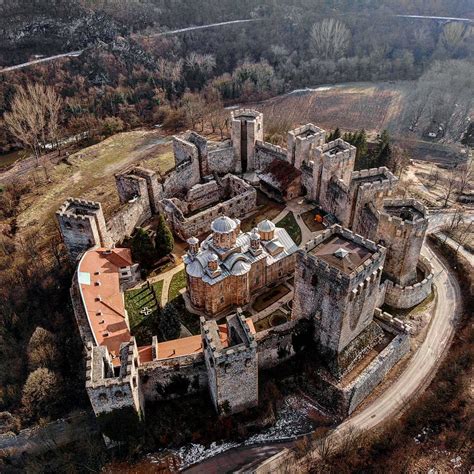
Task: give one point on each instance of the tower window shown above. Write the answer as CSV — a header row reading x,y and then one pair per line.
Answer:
x,y
314,280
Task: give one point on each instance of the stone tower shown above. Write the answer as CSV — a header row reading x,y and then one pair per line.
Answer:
x,y
401,229
247,128
230,353
337,285
113,387
300,141
333,160
82,226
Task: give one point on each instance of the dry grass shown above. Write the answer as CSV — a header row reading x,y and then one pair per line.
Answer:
x,y
89,174
352,107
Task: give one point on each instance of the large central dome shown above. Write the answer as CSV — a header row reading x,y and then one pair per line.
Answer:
x,y
223,225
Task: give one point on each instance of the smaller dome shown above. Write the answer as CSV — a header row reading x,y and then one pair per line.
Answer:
x,y
255,235
223,225
213,257
240,268
193,241
266,226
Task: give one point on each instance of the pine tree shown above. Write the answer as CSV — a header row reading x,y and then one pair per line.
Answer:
x,y
164,241
143,251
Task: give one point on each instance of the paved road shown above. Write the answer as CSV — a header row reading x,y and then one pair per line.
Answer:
x,y
418,373
457,247
166,33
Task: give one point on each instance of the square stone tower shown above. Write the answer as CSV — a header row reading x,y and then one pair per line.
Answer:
x,y
336,160
247,129
337,285
113,388
82,226
231,359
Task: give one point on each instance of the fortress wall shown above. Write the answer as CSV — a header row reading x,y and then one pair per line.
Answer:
x,y
275,345
222,160
202,195
403,297
265,153
167,379
128,217
363,386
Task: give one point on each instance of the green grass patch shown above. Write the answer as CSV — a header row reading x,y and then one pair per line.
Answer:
x,y
178,282
137,299
291,226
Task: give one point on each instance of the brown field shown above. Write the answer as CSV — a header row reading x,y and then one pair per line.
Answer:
x,y
373,107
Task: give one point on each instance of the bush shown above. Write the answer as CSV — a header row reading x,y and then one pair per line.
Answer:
x,y
42,350
41,392
143,250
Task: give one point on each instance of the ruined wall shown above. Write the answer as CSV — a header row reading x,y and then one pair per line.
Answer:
x,y
202,195
128,217
275,345
243,202
176,377
221,159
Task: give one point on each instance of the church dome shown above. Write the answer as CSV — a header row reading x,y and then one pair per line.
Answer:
x,y
266,226
240,268
223,225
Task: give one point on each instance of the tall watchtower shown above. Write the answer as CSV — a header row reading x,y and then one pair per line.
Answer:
x,y
82,226
247,129
231,358
337,284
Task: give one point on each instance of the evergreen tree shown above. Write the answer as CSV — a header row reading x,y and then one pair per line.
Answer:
x,y
383,151
333,135
164,241
168,322
143,251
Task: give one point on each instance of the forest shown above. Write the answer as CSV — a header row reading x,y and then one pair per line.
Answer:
x,y
129,75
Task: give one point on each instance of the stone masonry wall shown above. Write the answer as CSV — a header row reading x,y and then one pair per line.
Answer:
x,y
167,379
363,385
128,217
265,153
403,297
221,159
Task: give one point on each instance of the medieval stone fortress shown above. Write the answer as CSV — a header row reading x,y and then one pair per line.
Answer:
x,y
336,281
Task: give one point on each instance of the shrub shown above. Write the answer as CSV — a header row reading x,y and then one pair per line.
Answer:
x,y
41,392
164,241
42,350
143,251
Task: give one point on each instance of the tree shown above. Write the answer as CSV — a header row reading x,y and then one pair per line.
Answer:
x,y
41,392
465,173
453,35
334,135
42,350
449,186
164,241
112,125
330,38
143,250
34,117
168,322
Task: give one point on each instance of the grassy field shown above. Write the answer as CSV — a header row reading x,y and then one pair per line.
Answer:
x,y
89,174
289,223
178,282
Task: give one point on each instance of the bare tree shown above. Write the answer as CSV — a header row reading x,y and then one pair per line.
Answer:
x,y
34,118
449,186
465,173
453,35
330,38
